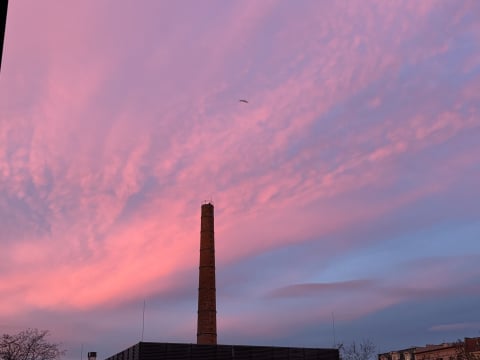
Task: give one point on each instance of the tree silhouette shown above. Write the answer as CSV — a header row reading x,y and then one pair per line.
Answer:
x,y
30,344
365,350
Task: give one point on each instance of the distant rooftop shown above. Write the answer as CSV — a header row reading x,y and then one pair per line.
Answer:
x,y
172,351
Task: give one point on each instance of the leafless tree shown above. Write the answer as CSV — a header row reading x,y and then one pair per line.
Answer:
x,y
365,350
30,344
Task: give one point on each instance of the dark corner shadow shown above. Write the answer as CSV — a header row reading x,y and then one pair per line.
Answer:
x,y
3,23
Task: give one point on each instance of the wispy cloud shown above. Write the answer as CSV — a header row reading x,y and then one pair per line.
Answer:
x,y
456,327
321,288
118,119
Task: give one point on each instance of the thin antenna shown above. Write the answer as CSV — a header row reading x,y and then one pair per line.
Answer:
x,y
333,329
81,352
143,319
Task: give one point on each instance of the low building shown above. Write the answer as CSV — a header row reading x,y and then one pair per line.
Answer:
x,y
472,346
176,351
469,349
404,354
445,351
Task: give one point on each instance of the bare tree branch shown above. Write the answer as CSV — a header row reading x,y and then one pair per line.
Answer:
x,y
30,344
365,350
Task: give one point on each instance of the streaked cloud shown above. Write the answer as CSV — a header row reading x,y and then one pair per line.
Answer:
x,y
348,184
458,326
321,288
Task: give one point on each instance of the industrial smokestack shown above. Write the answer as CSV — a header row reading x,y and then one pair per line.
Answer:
x,y
207,307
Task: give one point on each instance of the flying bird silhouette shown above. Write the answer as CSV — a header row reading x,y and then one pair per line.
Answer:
x,y
244,101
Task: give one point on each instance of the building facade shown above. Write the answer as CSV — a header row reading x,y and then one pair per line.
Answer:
x,y
472,347
468,349
404,354
445,351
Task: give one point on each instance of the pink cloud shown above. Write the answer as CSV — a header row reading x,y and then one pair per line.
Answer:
x,y
108,147
319,288
455,326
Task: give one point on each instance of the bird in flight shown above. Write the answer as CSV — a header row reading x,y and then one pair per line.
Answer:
x,y
244,101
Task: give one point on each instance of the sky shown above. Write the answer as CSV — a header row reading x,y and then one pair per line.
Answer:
x,y
346,191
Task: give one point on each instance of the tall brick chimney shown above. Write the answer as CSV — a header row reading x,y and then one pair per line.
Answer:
x,y
207,308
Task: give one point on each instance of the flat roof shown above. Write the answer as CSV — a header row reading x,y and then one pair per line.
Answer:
x,y
173,351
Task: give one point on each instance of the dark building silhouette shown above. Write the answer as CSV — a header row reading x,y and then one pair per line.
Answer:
x,y
207,304
3,24
206,347
173,351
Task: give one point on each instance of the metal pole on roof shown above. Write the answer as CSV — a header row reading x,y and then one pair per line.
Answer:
x,y
143,319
